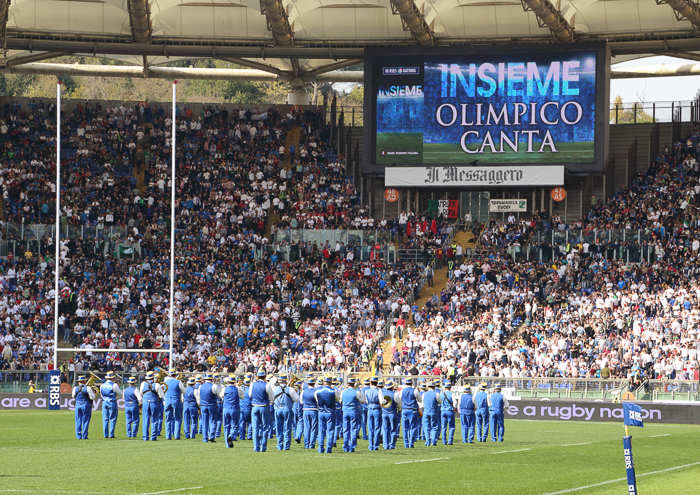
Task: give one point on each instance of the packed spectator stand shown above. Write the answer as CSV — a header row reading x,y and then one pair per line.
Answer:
x,y
573,308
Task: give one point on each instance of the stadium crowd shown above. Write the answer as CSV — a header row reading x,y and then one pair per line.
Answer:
x,y
571,310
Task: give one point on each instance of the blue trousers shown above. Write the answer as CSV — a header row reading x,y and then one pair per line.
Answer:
x,y
191,415
363,423
374,418
272,424
389,421
208,422
467,419
219,420
283,421
231,418
298,423
149,428
497,426
310,429
133,418
432,423
159,418
326,425
173,420
447,427
82,421
109,418
350,429
260,416
338,421
409,419
244,424
482,424
423,427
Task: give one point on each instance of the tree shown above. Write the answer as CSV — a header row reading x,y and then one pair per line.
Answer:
x,y
634,114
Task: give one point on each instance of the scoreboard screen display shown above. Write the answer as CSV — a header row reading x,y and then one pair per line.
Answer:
x,y
519,105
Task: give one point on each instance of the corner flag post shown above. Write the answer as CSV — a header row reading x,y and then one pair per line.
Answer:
x,y
633,417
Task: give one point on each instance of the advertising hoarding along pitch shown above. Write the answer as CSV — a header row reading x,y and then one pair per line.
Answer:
x,y
487,106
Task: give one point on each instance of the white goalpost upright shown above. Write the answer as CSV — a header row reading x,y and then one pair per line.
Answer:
x,y
169,350
58,223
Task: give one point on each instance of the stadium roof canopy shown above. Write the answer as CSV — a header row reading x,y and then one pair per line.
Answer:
x,y
310,37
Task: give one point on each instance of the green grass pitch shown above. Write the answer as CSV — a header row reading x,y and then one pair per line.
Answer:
x,y
453,153
41,455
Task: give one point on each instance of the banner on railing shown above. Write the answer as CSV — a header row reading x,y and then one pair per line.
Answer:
x,y
506,205
448,208
509,176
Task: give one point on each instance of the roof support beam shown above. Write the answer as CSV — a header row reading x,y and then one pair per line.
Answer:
x,y
140,21
37,57
278,22
4,14
414,20
684,9
175,73
338,65
548,15
252,64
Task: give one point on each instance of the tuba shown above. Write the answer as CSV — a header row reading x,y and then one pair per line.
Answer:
x,y
294,381
160,379
91,382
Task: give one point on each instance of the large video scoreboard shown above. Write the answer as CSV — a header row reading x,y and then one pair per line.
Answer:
x,y
497,109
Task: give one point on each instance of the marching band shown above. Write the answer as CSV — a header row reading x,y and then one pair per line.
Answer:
x,y
260,409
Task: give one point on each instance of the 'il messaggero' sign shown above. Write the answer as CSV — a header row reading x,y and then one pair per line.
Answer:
x,y
474,176
600,412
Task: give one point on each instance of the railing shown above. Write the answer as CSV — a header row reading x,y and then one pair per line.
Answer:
x,y
649,112
569,388
361,242
19,238
633,246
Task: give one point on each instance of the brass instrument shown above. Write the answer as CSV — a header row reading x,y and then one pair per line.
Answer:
x,y
160,379
91,382
294,381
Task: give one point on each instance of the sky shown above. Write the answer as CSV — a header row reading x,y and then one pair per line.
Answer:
x,y
655,88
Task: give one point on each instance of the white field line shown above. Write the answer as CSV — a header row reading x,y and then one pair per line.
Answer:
x,y
173,491
621,479
574,444
654,436
423,460
508,451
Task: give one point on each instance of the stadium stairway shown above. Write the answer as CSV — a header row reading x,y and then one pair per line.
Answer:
x,y
140,174
2,210
293,137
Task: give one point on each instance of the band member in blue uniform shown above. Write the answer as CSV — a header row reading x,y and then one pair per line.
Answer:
x,y
467,414
152,394
200,382
375,399
497,403
260,393
244,425
338,418
481,401
409,400
326,398
219,411
351,400
423,426
431,404
298,418
206,398
191,410
231,396
83,396
448,404
132,404
363,412
173,406
284,398
109,392
310,406
390,416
